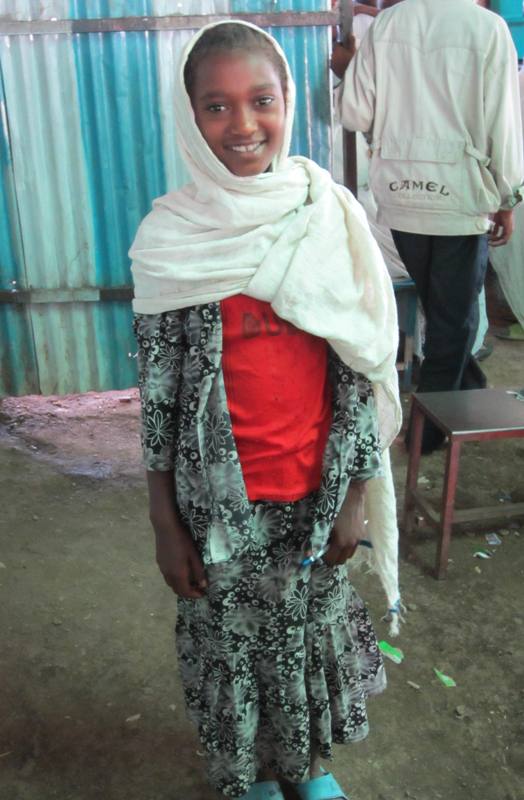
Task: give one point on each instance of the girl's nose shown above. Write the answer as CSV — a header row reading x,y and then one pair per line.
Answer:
x,y
243,120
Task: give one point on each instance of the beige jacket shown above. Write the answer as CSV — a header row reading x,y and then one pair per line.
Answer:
x,y
435,82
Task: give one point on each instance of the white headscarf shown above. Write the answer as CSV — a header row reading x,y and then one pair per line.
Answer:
x,y
289,236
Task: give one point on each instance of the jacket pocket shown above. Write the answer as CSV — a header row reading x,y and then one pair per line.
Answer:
x,y
425,175
481,186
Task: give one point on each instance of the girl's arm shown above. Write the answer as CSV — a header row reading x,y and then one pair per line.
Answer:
x,y
160,354
176,555
349,526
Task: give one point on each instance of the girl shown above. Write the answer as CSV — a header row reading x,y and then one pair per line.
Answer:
x,y
262,301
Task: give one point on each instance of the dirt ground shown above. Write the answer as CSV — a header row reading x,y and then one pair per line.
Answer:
x,y
90,702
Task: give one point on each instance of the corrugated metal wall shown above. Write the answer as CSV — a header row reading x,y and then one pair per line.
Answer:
x,y
513,13
88,139
18,366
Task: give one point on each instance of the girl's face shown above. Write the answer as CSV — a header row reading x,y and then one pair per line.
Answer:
x,y
240,109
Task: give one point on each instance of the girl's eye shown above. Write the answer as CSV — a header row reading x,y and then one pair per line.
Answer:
x,y
215,108
265,101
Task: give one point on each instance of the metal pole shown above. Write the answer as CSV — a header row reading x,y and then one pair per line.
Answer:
x,y
349,139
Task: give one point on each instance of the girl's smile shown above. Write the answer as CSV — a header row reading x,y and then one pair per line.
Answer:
x,y
240,110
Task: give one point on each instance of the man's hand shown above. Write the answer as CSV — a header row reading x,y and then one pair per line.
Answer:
x,y
360,8
180,564
503,226
342,55
349,527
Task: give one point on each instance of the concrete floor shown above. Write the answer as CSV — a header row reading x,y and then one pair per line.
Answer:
x,y
90,702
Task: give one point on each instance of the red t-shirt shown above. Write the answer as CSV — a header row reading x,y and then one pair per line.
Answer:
x,y
279,399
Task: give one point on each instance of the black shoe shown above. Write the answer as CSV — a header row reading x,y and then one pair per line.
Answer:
x,y
484,352
430,447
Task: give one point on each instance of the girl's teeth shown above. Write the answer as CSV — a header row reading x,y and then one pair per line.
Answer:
x,y
246,148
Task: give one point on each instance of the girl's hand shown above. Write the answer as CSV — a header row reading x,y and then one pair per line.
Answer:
x,y
180,564
176,554
342,546
349,527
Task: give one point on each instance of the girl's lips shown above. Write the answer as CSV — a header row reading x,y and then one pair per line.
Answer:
x,y
249,147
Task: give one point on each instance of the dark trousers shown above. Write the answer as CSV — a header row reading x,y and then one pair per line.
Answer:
x,y
448,272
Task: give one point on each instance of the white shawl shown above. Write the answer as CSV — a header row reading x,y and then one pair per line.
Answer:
x,y
290,237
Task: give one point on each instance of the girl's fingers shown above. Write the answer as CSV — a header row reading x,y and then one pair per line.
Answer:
x,y
185,585
336,556
183,570
198,573
350,552
188,591
331,555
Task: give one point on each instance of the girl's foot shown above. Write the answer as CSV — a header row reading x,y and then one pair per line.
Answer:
x,y
323,787
263,790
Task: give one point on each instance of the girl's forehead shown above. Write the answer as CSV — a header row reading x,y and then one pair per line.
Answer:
x,y
236,68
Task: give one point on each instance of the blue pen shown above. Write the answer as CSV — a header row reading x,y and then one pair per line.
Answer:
x,y
311,559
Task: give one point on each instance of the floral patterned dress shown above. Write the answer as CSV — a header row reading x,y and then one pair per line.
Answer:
x,y
276,658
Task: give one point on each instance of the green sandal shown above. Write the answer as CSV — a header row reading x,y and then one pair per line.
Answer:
x,y
265,790
514,332
323,788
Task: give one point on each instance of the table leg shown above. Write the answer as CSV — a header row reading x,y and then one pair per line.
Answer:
x,y
448,506
415,448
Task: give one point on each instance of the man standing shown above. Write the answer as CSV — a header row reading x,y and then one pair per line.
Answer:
x,y
435,85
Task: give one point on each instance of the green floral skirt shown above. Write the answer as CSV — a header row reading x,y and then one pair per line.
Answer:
x,y
277,658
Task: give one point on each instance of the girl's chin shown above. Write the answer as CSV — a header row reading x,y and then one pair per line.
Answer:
x,y
249,172
246,165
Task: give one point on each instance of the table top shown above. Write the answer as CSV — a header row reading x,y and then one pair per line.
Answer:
x,y
473,410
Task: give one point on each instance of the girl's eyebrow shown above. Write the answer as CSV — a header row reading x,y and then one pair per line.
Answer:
x,y
214,93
